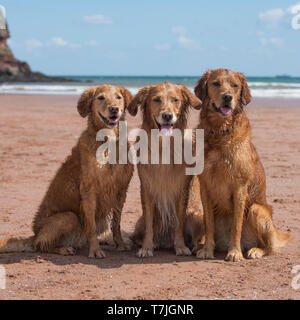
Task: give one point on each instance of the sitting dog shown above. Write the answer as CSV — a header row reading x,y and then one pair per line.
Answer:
x,y
233,184
166,222
84,194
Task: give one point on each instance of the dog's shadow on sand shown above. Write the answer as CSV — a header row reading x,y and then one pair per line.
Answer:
x,y
114,258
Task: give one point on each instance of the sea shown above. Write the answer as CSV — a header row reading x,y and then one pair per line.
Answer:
x,y
261,87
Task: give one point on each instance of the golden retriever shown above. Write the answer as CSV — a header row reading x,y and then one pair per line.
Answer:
x,y
165,222
84,194
233,184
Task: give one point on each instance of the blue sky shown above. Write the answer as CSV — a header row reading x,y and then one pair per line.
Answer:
x,y
158,37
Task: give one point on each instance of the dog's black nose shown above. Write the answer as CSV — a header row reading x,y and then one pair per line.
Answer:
x,y
113,109
227,97
167,116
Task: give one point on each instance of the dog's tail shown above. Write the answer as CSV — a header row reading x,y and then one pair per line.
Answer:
x,y
16,245
281,238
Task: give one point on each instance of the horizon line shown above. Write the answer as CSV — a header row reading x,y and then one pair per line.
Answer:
x,y
166,76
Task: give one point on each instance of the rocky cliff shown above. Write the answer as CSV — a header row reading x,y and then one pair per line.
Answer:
x,y
13,70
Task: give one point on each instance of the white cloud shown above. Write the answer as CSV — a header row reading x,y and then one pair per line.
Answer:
x,y
273,41
272,17
277,42
91,43
186,42
183,40
97,19
179,31
33,44
60,42
57,41
223,48
162,47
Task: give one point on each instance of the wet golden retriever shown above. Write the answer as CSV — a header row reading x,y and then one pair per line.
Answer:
x,y
84,194
166,222
233,185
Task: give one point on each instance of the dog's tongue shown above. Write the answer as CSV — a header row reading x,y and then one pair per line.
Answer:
x,y
226,110
113,120
166,130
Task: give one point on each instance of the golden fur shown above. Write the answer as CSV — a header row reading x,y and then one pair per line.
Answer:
x,y
83,195
233,187
165,187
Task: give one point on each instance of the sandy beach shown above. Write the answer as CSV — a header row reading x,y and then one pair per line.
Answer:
x,y
36,135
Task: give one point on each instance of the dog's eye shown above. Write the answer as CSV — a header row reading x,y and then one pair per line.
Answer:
x,y
119,97
157,99
216,84
235,85
101,98
176,99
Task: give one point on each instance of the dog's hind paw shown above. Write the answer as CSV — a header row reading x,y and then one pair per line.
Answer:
x,y
66,251
255,253
145,252
183,251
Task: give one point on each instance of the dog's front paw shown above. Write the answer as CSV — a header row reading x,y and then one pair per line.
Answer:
x,y
145,252
234,255
255,253
183,251
205,253
96,252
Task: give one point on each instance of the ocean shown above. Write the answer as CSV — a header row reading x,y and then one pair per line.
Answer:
x,y
261,87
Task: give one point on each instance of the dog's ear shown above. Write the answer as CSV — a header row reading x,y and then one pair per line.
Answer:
x,y
245,91
84,105
201,87
127,97
190,99
139,100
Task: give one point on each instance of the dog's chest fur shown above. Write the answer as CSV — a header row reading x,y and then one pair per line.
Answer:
x,y
108,181
224,167
164,183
